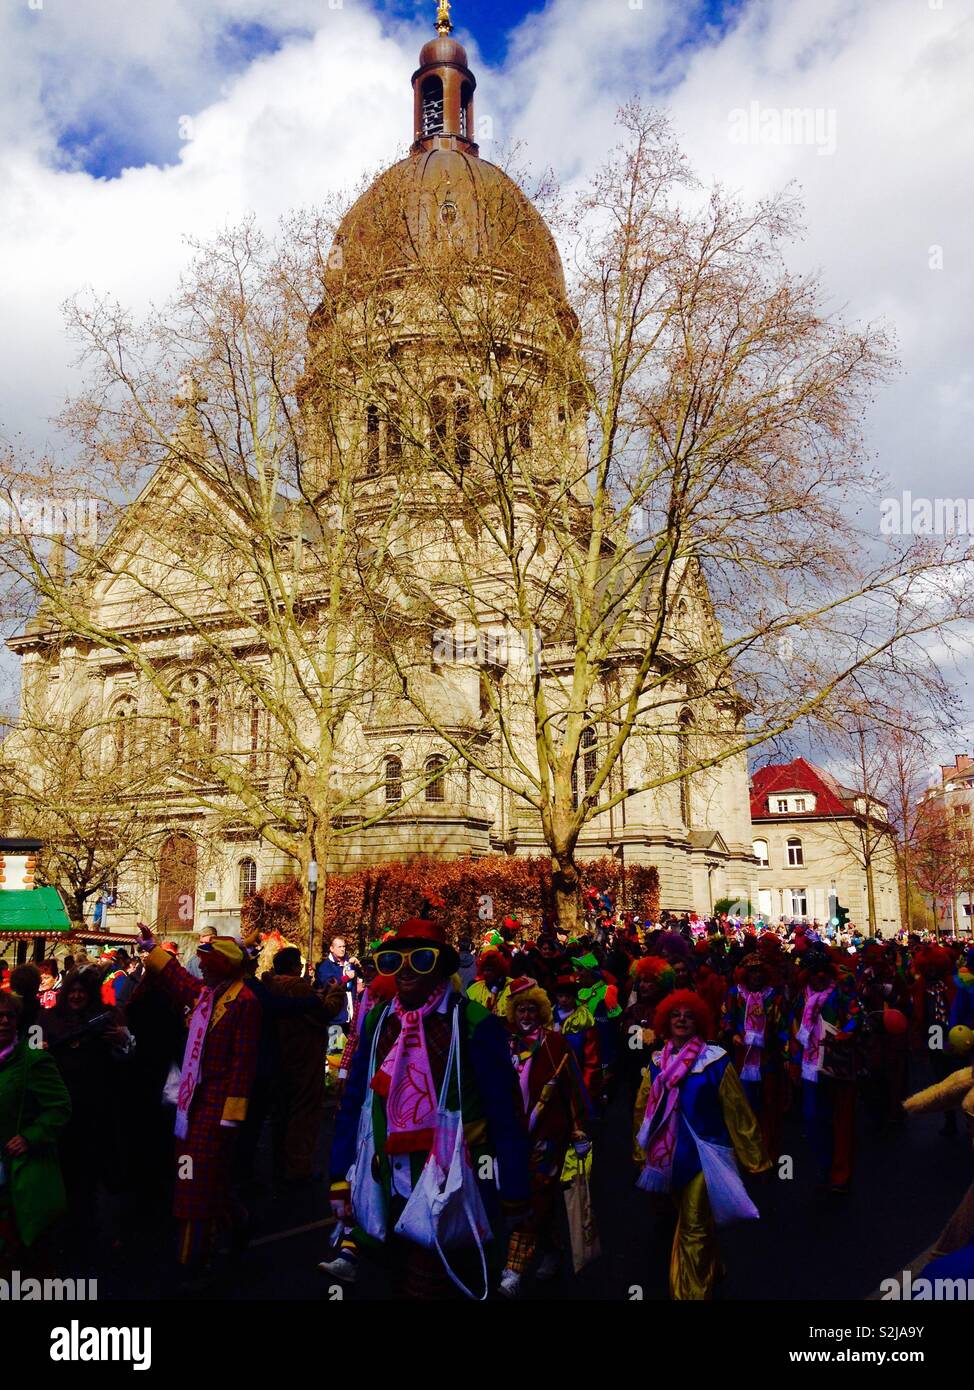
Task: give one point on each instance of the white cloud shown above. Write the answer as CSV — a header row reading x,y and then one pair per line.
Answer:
x,y
893,198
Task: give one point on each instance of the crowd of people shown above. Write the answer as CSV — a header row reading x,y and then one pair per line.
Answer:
x,y
470,1085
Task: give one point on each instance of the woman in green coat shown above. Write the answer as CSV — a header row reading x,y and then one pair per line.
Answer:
x,y
34,1105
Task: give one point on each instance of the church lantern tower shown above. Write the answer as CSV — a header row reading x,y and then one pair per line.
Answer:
x,y
443,88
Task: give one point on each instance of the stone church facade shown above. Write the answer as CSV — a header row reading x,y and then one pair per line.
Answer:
x,y
697,831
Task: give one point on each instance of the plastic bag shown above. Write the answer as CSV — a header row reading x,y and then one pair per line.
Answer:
x,y
726,1192
445,1210
367,1197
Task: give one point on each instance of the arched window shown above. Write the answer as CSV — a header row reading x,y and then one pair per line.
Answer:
x,y
461,431
518,432
796,854
683,759
254,734
393,430
440,429
589,757
436,788
450,434
760,850
393,772
466,111
121,731
372,440
247,879
433,106
383,437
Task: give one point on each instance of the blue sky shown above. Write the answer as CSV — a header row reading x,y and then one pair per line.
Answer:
x,y
134,120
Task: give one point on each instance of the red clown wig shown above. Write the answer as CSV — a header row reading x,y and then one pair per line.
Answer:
x,y
500,960
683,999
654,969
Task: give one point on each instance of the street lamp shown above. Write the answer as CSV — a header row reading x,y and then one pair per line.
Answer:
x,y
313,890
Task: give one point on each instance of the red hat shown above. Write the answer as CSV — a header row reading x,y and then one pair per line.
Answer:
x,y
568,982
522,983
420,931
171,947
492,956
933,962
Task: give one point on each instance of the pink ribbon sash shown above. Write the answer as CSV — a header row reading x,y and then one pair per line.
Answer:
x,y
658,1134
193,1059
405,1079
812,1032
755,1025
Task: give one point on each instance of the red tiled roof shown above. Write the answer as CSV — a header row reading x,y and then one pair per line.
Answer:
x,y
801,776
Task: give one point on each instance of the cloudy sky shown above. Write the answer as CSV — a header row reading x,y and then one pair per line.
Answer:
x,y
126,125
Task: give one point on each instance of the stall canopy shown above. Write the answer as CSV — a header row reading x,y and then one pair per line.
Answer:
x,y
33,911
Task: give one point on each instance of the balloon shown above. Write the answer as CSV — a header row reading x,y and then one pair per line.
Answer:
x,y
894,1021
960,1039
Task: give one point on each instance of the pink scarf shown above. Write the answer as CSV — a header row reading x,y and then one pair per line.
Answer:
x,y
755,1023
812,1032
193,1058
405,1080
658,1137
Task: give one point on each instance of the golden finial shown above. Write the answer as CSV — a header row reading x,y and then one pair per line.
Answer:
x,y
444,24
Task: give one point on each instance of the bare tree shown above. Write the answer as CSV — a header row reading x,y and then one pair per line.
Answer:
x,y
221,617
90,805
643,487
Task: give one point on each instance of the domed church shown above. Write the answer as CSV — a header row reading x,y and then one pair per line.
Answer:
x,y
444,413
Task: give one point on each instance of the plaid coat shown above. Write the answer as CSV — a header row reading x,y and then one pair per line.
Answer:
x,y
222,1091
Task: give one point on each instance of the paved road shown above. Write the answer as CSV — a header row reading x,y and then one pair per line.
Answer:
x,y
806,1245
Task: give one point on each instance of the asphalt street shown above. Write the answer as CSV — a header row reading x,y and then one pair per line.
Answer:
x,y
806,1246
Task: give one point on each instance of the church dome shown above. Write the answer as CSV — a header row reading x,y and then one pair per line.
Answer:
x,y
442,49
443,202
449,203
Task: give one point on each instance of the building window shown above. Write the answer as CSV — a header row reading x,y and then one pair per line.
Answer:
x,y
589,757
518,430
683,758
247,879
122,749
433,106
760,848
466,111
782,804
796,854
449,436
799,902
393,780
800,803
213,725
436,788
372,440
254,734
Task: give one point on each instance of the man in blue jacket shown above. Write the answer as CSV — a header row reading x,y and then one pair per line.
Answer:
x,y
399,1069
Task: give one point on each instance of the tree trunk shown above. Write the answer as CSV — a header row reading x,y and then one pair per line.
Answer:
x,y
566,885
873,925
